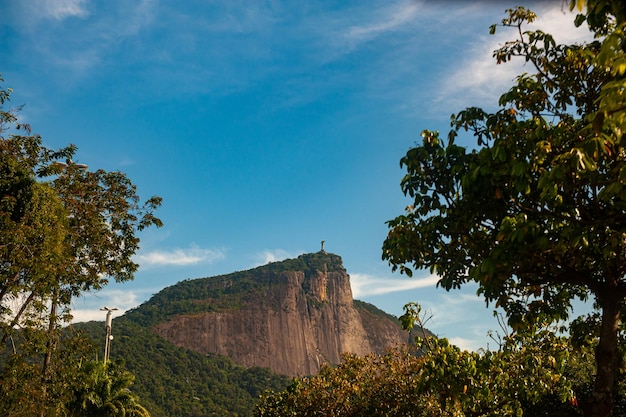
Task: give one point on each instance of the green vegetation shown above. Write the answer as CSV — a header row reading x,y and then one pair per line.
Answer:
x,y
309,263
175,382
372,309
64,231
533,373
105,391
525,377
535,212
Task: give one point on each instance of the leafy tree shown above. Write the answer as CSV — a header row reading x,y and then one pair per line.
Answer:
x,y
442,380
64,231
104,391
536,212
21,378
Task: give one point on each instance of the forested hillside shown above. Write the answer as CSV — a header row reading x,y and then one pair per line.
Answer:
x,y
176,382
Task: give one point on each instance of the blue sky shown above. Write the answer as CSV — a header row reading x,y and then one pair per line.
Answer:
x,y
266,126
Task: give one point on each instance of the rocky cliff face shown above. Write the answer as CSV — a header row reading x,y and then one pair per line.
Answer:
x,y
290,316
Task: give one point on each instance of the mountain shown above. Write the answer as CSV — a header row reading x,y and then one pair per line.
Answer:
x,y
291,316
211,346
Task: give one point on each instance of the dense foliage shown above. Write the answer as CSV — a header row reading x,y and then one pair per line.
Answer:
x,y
64,231
104,391
532,373
175,382
535,213
525,377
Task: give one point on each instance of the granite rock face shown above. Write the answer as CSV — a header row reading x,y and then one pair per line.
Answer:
x,y
291,316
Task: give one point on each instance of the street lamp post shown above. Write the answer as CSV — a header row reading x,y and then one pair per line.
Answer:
x,y
109,336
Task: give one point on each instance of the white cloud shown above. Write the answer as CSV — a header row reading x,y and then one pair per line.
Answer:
x,y
61,9
479,81
121,299
462,317
87,308
79,47
385,21
466,344
274,255
450,307
364,285
180,257
82,315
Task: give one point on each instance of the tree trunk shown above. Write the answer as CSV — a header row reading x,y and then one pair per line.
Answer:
x,y
45,369
50,342
601,401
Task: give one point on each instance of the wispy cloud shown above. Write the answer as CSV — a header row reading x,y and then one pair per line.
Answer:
x,y
87,308
60,9
179,257
274,255
364,285
386,20
76,47
449,307
462,317
140,17
465,343
479,81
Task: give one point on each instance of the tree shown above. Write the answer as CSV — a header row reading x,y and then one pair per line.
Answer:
x,y
536,212
525,374
64,231
105,392
21,377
